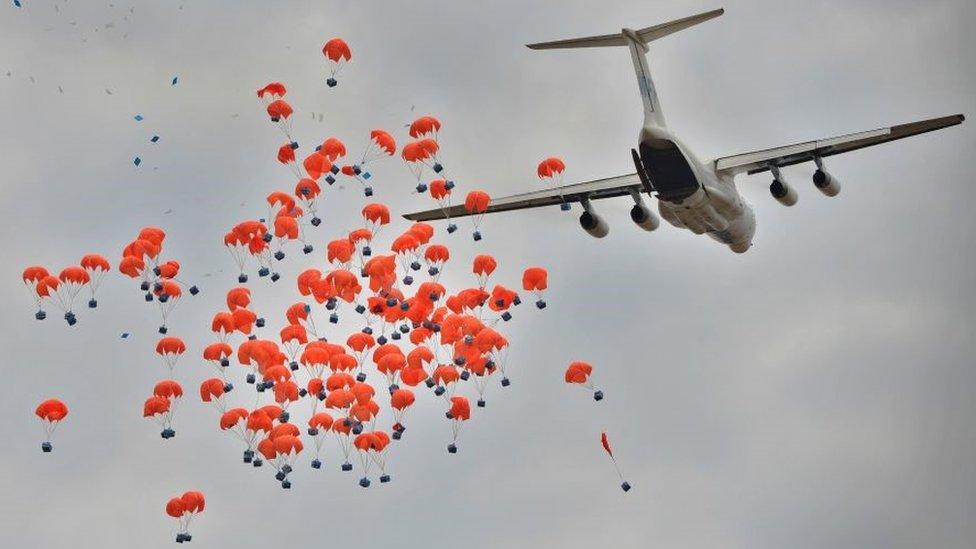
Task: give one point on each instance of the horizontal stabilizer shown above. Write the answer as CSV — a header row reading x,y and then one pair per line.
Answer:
x,y
600,41
647,34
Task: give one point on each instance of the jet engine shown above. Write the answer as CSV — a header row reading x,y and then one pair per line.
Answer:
x,y
826,183
644,217
593,223
782,191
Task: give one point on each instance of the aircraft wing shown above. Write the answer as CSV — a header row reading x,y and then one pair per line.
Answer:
x,y
760,161
593,190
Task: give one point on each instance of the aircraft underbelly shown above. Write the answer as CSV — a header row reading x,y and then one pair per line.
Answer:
x,y
722,215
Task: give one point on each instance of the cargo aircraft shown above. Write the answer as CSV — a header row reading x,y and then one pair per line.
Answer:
x,y
698,195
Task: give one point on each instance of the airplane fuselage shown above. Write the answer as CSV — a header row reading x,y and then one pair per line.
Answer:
x,y
691,194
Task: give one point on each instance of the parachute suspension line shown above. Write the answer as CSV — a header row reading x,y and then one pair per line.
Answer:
x,y
95,281
311,326
617,468
60,300
49,427
37,298
71,291
587,385
186,523
366,148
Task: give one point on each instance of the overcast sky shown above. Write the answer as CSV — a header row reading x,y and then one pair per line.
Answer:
x,y
814,392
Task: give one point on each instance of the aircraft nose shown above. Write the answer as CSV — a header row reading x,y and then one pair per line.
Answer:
x,y
740,247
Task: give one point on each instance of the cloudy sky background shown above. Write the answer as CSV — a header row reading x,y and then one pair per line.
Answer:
x,y
814,392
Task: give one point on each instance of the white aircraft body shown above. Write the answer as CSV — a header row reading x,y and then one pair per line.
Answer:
x,y
697,195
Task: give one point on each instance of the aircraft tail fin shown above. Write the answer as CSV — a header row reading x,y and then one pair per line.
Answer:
x,y
645,35
636,41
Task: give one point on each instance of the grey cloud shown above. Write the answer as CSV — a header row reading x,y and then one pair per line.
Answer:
x,y
813,392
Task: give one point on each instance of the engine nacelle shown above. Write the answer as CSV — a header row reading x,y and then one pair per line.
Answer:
x,y
644,217
594,225
783,192
826,183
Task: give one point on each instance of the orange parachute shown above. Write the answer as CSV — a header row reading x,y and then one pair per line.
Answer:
x,y
63,290
169,389
360,239
308,190
170,349
158,408
293,338
440,192
239,297
281,451
319,426
96,266
32,276
408,248
218,354
375,215
459,413
423,231
550,171
168,269
425,126
476,204
243,319
400,401
550,167
436,255
271,92
212,391
315,164
280,202
579,373
185,508
421,154
624,485
339,252
371,447
337,52
279,111
482,267
168,294
51,412
286,156
381,144
333,149
536,280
